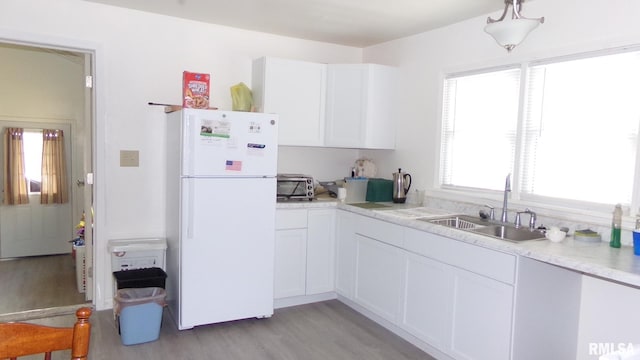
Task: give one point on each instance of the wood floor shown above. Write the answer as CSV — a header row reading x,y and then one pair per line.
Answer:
x,y
322,331
38,282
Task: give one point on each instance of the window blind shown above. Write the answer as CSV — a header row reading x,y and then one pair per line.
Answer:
x,y
580,129
479,128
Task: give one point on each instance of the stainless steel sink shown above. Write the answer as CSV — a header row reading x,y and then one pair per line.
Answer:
x,y
485,227
463,222
510,233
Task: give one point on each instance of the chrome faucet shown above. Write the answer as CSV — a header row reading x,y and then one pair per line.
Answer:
x,y
507,189
532,219
492,213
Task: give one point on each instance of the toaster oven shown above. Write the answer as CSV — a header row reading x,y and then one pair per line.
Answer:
x,y
295,187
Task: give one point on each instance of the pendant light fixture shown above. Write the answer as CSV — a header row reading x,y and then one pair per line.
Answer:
x,y
510,32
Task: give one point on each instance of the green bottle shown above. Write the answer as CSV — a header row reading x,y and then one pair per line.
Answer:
x,y
616,226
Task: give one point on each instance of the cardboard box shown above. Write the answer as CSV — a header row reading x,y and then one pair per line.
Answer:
x,y
195,90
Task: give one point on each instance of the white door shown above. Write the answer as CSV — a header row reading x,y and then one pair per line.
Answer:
x,y
290,263
227,249
427,307
378,284
37,229
346,105
227,143
295,90
345,253
482,310
321,251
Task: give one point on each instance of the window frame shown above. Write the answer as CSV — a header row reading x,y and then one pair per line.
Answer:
x,y
549,205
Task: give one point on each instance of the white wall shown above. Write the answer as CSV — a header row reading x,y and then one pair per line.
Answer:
x,y
570,26
140,58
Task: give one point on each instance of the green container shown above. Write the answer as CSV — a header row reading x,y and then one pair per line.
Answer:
x,y
379,190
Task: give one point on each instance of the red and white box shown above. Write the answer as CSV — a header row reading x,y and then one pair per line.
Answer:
x,y
195,90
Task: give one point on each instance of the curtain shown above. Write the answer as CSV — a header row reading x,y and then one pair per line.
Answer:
x,y
54,168
15,183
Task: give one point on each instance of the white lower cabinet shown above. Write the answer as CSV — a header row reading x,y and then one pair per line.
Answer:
x,y
482,313
290,263
305,252
455,297
465,314
345,253
378,281
427,308
320,251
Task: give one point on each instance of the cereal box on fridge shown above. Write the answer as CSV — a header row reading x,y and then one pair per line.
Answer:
x,y
195,90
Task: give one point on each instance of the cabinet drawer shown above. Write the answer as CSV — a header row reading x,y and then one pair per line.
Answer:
x,y
383,231
291,219
482,261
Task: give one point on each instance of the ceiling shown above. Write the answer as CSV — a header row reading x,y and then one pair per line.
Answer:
x,y
357,23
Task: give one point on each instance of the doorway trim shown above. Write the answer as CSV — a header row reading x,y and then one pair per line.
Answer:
x,y
98,121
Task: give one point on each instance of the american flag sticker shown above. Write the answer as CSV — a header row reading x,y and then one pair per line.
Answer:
x,y
233,165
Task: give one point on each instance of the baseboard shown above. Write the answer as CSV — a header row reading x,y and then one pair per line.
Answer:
x,y
301,300
43,313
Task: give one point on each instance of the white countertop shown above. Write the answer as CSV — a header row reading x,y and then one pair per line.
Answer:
x,y
597,259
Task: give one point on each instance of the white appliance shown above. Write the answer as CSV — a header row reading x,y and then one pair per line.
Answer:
x,y
221,191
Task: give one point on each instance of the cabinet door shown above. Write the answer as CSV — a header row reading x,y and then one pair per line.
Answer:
x,y
360,104
345,253
290,263
346,105
321,251
482,310
378,285
427,308
381,107
296,91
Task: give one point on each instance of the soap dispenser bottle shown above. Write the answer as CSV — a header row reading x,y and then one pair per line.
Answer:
x,y
616,226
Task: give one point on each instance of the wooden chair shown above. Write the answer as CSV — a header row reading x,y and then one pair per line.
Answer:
x,y
21,339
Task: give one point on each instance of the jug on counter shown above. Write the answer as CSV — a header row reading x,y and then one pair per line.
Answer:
x,y
401,186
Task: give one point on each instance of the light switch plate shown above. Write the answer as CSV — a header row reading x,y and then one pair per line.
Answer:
x,y
129,158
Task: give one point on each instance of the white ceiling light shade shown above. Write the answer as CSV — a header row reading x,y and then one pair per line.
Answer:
x,y
510,32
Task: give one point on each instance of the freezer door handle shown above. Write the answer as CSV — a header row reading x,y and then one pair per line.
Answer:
x,y
189,142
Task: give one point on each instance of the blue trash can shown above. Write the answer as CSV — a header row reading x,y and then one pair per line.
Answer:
x,y
139,314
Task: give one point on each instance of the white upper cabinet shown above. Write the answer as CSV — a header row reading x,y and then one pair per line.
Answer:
x,y
360,100
295,90
342,105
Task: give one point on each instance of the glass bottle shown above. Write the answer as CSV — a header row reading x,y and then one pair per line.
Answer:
x,y
616,226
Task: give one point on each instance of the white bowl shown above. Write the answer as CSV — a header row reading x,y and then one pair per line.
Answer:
x,y
555,235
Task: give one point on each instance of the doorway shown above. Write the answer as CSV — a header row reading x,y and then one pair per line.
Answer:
x,y
46,88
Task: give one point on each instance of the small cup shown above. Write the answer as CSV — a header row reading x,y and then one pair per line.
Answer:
x,y
555,235
636,242
342,194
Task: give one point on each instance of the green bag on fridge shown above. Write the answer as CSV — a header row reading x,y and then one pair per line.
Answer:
x,y
241,98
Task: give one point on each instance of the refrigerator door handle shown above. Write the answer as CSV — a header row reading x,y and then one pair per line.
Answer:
x,y
190,210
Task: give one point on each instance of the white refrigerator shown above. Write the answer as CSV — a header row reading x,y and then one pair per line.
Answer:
x,y
221,191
